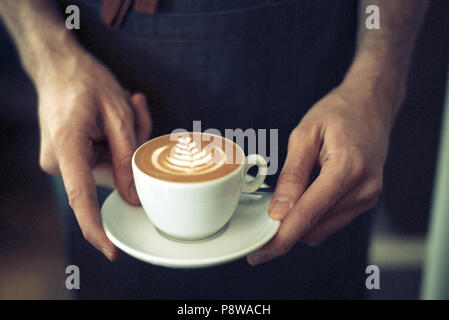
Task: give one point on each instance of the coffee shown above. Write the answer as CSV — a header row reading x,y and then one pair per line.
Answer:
x,y
188,157
172,175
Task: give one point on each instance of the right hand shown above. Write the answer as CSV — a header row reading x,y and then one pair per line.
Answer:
x,y
89,122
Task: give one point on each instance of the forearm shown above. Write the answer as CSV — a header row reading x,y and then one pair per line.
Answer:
x,y
39,33
383,55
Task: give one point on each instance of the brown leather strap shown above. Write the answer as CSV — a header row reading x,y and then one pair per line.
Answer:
x,y
114,11
146,6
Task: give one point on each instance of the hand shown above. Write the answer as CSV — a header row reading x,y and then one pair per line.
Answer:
x,y
88,124
346,136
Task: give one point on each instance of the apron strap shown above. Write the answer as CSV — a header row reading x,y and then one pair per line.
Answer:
x,y
146,6
114,11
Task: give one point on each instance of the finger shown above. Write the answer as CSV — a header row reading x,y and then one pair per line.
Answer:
x,y
335,221
335,179
360,199
138,102
302,154
73,158
119,130
359,195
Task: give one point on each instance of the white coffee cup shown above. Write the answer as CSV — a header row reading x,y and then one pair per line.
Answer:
x,y
196,210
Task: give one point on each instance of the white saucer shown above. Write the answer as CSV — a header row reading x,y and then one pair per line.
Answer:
x,y
130,229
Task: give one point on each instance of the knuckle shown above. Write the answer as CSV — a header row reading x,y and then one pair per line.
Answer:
x,y
119,118
375,190
48,165
74,195
125,116
78,197
372,203
305,131
87,235
291,176
357,164
309,218
124,161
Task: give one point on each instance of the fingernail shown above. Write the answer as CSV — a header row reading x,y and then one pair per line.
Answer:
x,y
256,259
280,208
107,253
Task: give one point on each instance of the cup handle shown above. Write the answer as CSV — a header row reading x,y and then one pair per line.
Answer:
x,y
251,161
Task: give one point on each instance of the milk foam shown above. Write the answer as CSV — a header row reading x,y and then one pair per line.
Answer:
x,y
186,158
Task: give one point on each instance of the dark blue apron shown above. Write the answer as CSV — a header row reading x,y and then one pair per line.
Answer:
x,y
231,64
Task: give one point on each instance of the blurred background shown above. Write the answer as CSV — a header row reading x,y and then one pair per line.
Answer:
x,y
32,255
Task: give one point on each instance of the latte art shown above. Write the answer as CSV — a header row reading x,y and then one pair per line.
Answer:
x,y
190,157
186,158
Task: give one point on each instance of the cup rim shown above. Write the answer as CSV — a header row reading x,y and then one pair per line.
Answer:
x,y
191,183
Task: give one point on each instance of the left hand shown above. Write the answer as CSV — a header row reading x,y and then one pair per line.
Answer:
x,y
346,135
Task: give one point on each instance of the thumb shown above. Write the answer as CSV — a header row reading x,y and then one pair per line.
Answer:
x,y
303,148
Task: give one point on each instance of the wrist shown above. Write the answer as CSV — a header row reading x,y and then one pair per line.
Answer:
x,y
381,84
54,55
